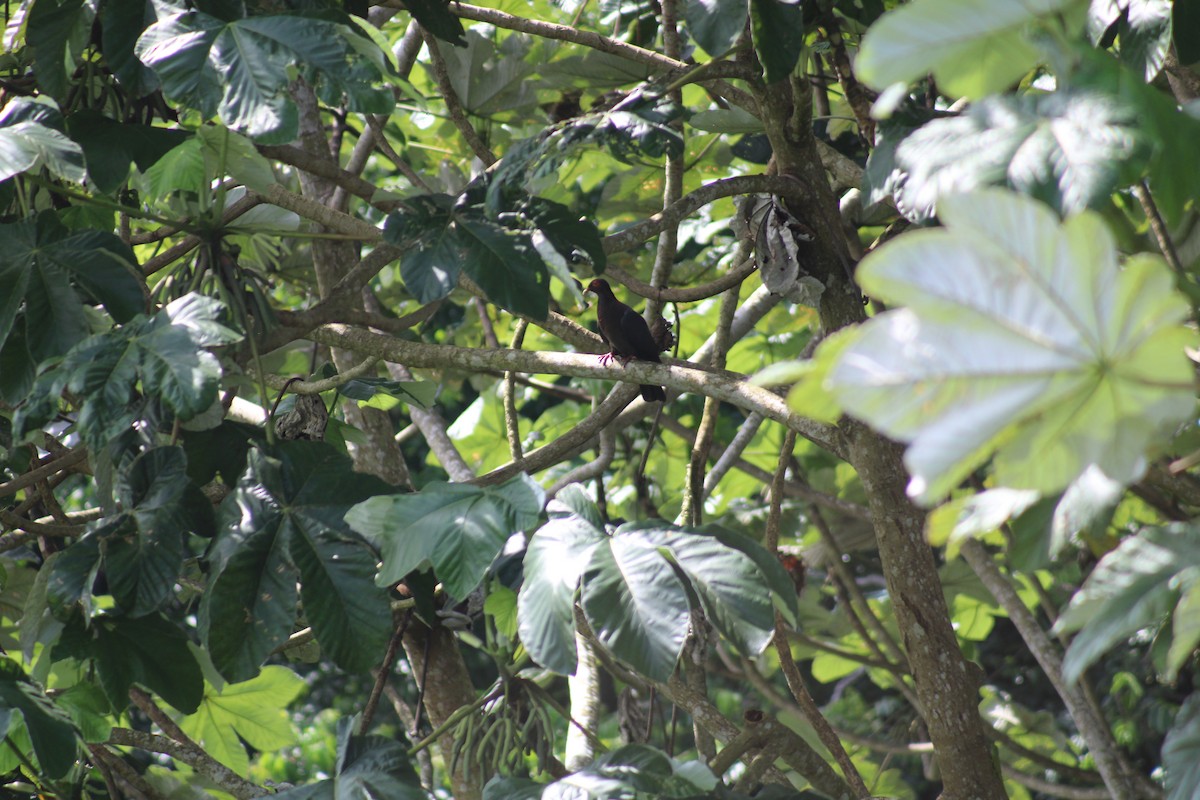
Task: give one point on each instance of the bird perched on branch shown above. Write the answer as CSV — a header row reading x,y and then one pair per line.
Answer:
x,y
627,334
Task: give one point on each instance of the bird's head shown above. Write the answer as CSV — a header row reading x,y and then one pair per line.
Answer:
x,y
599,287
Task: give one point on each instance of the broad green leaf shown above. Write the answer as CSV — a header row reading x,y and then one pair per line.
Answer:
x,y
50,730
730,587
457,527
253,711
554,563
435,17
418,393
109,147
491,79
30,137
349,615
635,604
1020,336
1066,148
367,768
1133,587
286,522
230,154
1087,504
89,709
238,69
777,29
1185,630
57,32
121,23
505,265
150,651
1181,752
715,24
501,606
726,120
55,271
972,47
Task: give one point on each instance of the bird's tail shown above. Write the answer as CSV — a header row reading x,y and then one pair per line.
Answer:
x,y
652,394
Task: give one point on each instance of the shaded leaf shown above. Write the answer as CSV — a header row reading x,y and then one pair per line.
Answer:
x,y
1133,587
435,17
109,147
715,24
457,527
777,29
31,137
50,730
1181,752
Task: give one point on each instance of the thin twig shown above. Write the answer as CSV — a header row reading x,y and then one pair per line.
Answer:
x,y
454,107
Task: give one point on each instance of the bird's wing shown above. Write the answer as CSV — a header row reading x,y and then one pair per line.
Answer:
x,y
637,336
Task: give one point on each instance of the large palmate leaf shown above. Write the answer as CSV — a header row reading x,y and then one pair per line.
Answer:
x,y
151,651
715,24
109,147
288,525
367,768
50,730
31,136
972,47
238,69
54,272
1066,148
163,356
637,586
777,28
253,711
456,527
1021,336
1133,587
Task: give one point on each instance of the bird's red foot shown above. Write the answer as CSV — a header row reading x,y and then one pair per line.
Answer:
x,y
606,359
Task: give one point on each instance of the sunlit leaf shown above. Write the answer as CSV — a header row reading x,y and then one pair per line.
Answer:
x,y
1022,337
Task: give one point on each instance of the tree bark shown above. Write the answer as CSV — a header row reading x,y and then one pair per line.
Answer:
x,y
945,684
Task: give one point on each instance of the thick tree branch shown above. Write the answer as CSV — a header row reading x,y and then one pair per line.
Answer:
x,y
728,387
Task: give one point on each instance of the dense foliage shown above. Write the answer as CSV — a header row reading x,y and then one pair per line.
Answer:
x,y
312,483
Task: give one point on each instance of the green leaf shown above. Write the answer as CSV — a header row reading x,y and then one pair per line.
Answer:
x,y
1067,148
109,147
57,32
435,17
501,606
491,79
1181,751
554,563
39,260
239,68
288,523
30,138
505,265
1133,587
418,393
73,570
715,24
972,47
1185,631
1022,337
457,527
254,711
777,29
635,604
50,730
89,709
351,618
228,153
121,23
368,768
730,587
1143,29
151,651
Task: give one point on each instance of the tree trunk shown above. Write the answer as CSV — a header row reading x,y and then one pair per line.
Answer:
x,y
945,684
